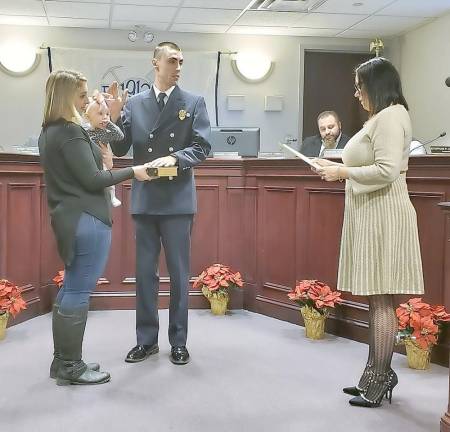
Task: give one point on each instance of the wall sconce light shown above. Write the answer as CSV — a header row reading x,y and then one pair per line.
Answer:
x,y
18,58
252,67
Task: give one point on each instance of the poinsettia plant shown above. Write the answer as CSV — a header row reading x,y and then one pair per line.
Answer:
x,y
59,278
421,322
316,295
217,279
11,300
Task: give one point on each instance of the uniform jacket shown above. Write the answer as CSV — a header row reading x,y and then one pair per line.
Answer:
x,y
182,129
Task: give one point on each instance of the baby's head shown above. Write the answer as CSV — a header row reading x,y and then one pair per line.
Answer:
x,y
97,113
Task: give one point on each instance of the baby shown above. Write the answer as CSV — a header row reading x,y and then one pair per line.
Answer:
x,y
102,131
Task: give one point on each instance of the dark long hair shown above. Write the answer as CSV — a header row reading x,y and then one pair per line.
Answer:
x,y
381,82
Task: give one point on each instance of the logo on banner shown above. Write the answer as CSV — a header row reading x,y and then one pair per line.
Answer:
x,y
134,85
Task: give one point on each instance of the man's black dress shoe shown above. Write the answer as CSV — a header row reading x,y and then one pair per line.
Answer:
x,y
141,352
179,355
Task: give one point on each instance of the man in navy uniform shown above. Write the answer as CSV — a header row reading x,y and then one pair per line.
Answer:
x,y
168,127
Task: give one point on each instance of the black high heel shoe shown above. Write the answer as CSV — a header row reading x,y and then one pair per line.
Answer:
x,y
356,391
381,385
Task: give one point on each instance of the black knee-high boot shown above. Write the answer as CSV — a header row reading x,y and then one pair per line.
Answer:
x,y
57,361
69,340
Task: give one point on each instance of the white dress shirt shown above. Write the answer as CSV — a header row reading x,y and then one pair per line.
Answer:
x,y
167,92
322,148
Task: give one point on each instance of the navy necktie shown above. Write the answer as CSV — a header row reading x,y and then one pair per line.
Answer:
x,y
161,104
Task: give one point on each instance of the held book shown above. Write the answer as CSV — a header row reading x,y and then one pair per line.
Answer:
x,y
162,171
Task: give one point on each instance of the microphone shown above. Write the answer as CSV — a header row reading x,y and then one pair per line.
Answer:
x,y
442,134
447,82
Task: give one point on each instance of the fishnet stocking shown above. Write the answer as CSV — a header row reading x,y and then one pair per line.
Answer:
x,y
383,327
364,380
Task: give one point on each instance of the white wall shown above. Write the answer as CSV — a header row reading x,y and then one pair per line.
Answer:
x,y
425,64
23,97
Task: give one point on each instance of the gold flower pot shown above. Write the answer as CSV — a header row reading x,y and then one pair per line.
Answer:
x,y
218,301
314,323
3,323
418,358
219,305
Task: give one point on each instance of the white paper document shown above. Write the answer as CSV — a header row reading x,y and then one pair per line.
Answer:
x,y
300,156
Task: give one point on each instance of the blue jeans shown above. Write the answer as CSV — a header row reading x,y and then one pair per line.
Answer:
x,y
92,243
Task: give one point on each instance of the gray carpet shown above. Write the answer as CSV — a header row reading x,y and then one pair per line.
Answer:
x,y
248,373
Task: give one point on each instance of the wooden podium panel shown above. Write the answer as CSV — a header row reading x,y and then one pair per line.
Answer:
x,y
273,220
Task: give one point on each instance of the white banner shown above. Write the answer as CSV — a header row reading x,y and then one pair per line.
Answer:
x,y
133,70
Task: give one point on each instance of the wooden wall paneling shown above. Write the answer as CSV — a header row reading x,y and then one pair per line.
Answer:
x,y
23,238
240,234
49,261
241,198
323,238
276,240
123,250
207,223
249,251
3,226
445,207
431,225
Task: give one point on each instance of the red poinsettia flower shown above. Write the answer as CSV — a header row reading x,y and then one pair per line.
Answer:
x,y
59,279
425,331
439,313
413,309
217,278
323,296
11,300
315,294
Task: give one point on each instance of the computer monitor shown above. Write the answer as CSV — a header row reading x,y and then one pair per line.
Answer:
x,y
244,141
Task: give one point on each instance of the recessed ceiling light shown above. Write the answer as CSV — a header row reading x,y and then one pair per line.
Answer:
x,y
358,4
132,36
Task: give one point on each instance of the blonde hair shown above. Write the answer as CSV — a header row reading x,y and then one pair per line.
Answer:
x,y
60,92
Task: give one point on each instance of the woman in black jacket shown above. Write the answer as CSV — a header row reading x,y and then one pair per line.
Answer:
x,y
80,216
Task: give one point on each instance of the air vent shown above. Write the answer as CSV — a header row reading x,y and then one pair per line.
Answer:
x,y
287,5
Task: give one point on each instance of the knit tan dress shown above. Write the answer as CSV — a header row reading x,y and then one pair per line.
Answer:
x,y
380,251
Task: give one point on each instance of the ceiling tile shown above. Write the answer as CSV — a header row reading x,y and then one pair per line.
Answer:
x,y
22,7
322,32
174,3
265,18
196,28
206,16
143,25
77,10
83,1
388,24
252,30
346,6
330,21
361,34
417,8
23,20
83,23
143,13
228,4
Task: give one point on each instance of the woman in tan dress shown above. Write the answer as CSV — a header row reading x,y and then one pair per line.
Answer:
x,y
380,253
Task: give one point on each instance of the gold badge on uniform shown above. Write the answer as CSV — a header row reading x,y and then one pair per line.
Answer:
x,y
182,114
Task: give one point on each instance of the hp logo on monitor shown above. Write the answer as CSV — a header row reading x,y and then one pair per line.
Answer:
x,y
231,140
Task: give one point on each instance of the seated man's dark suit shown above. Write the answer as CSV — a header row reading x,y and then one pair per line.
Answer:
x,y
311,145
